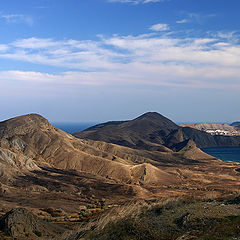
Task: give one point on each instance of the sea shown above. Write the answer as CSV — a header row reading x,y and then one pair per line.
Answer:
x,y
225,154
73,127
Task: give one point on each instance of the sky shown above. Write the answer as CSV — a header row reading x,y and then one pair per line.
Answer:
x,y
100,60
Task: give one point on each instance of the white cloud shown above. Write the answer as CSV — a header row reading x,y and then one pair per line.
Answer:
x,y
17,18
159,27
34,43
182,21
227,36
86,55
38,77
196,17
3,47
147,59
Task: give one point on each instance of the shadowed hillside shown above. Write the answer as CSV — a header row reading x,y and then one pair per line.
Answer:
x,y
30,146
152,131
236,125
65,180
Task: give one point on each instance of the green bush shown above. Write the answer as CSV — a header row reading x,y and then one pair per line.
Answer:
x,y
38,233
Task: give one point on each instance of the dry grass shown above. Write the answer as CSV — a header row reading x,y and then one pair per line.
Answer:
x,y
164,219
131,210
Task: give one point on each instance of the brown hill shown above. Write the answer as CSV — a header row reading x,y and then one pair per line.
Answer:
x,y
215,129
42,167
236,125
206,126
145,132
29,142
152,131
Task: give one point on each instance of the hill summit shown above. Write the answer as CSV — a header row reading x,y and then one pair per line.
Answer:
x,y
152,131
42,167
148,131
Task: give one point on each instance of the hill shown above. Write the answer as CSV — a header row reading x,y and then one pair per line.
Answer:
x,y
215,129
64,179
236,125
145,132
152,131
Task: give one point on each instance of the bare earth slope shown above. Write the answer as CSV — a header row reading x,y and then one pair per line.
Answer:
x,y
152,131
224,129
54,174
42,166
30,142
204,126
236,125
139,133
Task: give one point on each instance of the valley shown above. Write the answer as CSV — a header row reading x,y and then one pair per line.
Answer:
x,y
66,180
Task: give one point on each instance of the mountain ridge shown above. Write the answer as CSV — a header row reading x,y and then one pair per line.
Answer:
x,y
215,129
236,125
152,131
56,170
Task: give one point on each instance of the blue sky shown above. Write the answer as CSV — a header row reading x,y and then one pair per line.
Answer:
x,y
99,60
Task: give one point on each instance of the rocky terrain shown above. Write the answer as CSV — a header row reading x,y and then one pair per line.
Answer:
x,y
20,223
152,131
160,219
65,180
236,125
216,129
171,219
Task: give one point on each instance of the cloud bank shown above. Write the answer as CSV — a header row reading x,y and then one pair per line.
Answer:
x,y
142,60
17,18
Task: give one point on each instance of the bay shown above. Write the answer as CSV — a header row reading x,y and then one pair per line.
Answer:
x,y
225,154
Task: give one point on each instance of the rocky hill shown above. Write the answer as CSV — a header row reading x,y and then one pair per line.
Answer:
x,y
30,144
215,129
20,223
149,131
152,131
48,171
236,125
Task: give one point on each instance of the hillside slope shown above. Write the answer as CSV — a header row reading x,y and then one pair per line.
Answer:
x,y
152,131
30,142
145,132
215,129
43,167
171,219
236,125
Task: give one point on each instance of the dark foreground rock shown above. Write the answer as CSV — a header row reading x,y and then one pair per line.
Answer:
x,y
20,223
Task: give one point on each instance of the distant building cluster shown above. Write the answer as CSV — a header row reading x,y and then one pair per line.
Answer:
x,y
221,132
215,129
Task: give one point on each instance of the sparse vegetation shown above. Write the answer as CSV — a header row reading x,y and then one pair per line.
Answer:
x,y
53,212
85,183
186,218
38,233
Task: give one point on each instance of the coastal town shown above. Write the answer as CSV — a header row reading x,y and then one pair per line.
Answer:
x,y
222,132
215,129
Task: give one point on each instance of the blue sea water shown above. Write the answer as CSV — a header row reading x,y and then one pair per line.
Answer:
x,y
225,154
73,127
